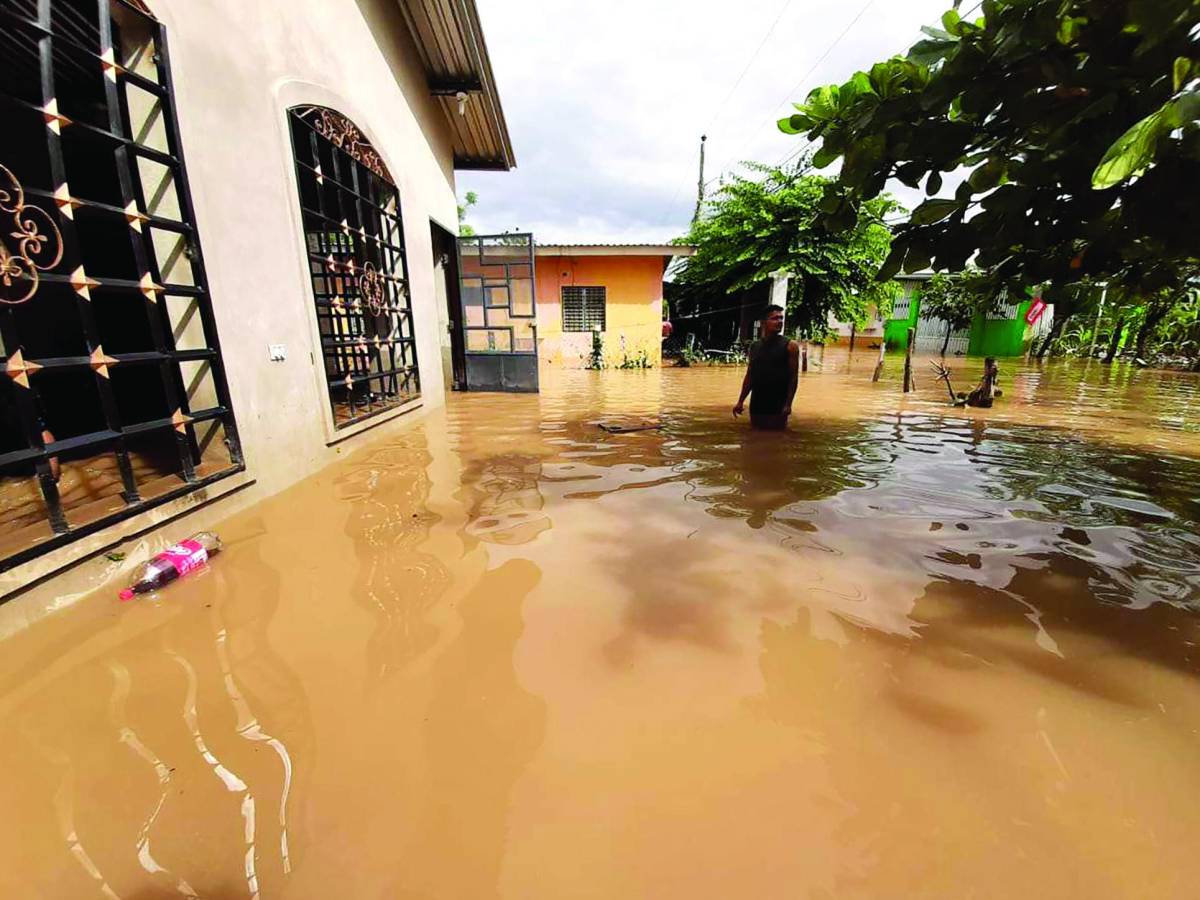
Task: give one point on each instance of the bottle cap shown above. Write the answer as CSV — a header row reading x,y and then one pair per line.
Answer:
x,y
126,594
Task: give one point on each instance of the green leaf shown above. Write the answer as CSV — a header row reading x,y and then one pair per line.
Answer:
x,y
933,184
1183,110
1132,152
1069,28
951,20
937,34
918,257
910,173
926,53
987,176
1182,71
796,124
830,200
891,265
932,211
860,83
824,157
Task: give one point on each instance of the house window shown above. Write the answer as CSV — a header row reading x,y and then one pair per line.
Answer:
x,y
115,396
903,305
355,242
583,308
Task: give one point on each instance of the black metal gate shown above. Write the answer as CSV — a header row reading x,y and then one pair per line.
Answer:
x,y
499,313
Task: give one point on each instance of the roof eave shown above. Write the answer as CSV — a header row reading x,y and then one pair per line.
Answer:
x,y
667,250
453,52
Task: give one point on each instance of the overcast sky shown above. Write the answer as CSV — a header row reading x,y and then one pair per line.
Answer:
x,y
606,101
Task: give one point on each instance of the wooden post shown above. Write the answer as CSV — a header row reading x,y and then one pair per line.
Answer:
x,y
908,351
1096,327
804,356
879,365
853,334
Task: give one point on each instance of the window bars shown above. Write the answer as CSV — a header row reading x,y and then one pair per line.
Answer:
x,y
584,308
115,397
355,241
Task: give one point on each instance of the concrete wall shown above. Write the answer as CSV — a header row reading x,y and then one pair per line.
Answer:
x,y
633,318
237,68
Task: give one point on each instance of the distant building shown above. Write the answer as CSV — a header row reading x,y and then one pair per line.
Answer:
x,y
615,289
1002,333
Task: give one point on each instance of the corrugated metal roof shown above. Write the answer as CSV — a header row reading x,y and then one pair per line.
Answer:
x,y
449,39
550,249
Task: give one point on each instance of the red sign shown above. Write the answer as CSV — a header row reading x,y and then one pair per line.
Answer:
x,y
1035,311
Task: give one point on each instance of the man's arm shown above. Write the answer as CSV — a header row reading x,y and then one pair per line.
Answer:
x,y
793,375
741,404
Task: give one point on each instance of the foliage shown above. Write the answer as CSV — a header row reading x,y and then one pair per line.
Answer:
x,y
1077,120
638,360
595,359
469,200
755,228
1179,336
695,355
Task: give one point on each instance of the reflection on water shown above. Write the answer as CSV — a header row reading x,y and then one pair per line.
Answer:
x,y
899,650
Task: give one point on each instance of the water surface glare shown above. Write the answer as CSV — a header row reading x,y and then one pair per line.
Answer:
x,y
901,650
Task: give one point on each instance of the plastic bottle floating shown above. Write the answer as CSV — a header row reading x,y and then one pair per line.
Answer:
x,y
173,563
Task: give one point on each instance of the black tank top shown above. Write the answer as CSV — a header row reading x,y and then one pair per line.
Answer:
x,y
770,375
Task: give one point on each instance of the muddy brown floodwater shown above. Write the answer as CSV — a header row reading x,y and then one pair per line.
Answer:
x,y
899,651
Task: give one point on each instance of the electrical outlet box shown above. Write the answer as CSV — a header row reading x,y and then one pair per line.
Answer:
x,y
278,352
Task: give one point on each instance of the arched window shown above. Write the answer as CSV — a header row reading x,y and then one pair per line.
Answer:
x,y
355,241
115,396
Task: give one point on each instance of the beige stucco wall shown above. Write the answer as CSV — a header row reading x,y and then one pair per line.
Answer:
x,y
237,67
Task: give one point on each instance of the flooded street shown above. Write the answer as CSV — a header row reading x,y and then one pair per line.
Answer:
x,y
901,650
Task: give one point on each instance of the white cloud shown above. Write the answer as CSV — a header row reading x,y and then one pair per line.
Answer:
x,y
606,101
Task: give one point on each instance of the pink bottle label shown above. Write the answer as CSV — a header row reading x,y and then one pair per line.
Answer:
x,y
185,556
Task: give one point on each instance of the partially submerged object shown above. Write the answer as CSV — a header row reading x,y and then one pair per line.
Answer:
x,y
629,427
173,563
985,392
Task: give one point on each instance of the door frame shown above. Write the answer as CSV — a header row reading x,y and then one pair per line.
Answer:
x,y
445,245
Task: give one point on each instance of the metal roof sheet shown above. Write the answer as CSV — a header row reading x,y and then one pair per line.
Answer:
x,y
450,42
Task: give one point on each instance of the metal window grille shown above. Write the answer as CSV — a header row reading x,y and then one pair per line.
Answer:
x,y
355,240
1007,309
903,305
115,397
584,308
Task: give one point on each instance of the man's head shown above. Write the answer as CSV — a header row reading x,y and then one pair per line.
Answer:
x,y
773,323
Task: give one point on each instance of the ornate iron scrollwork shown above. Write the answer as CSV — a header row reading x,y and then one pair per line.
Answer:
x,y
370,286
344,134
38,243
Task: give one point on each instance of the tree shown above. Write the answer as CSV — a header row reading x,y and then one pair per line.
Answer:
x,y
753,229
956,299
469,200
1077,121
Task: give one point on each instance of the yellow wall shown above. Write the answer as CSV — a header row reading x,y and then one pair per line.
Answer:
x,y
633,317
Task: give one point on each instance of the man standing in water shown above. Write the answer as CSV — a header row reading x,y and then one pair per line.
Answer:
x,y
771,376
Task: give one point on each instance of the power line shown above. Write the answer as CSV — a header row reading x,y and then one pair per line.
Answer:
x,y
737,83
792,90
809,143
750,63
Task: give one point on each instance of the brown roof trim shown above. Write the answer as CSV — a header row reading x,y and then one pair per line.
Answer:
x,y
453,52
666,250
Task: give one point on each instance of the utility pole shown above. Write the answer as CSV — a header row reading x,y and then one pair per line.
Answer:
x,y
700,185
